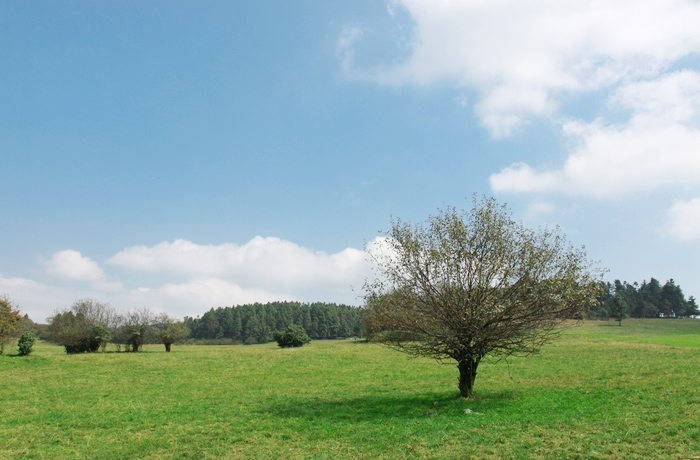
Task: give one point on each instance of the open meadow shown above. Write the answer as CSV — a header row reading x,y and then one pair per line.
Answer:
x,y
600,392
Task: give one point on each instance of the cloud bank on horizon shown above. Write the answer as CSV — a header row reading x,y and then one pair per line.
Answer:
x,y
181,277
526,60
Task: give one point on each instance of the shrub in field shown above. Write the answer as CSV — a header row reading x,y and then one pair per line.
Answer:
x,y
169,331
134,329
293,336
83,328
25,343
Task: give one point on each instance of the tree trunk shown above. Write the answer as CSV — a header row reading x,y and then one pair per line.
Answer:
x,y
167,347
467,374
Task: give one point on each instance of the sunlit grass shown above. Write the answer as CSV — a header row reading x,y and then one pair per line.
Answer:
x,y
602,391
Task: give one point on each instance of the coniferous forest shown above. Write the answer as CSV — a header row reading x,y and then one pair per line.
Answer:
x,y
648,300
256,323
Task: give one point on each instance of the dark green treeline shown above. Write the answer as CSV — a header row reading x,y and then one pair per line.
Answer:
x,y
256,323
648,300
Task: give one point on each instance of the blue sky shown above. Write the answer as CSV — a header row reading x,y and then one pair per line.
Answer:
x,y
188,155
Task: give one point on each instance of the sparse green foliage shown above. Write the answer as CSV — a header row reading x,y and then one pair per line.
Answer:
x,y
10,322
26,343
468,284
293,336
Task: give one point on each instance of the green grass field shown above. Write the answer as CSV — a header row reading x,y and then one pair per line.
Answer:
x,y
600,392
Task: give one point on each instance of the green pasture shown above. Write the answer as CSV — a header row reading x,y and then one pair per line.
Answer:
x,y
600,392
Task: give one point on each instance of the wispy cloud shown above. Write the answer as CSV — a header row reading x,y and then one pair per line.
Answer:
x,y
684,220
345,47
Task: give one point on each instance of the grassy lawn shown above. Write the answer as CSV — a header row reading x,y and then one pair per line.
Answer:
x,y
600,392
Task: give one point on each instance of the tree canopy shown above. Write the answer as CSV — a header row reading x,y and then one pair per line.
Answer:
x,y
467,284
10,322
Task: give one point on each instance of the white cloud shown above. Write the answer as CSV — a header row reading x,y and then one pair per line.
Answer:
x,y
38,300
684,220
277,263
673,98
217,292
523,56
194,296
345,46
70,264
185,278
538,209
657,147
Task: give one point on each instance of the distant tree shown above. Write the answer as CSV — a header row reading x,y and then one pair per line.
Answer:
x,y
226,321
651,295
253,330
237,325
26,343
600,309
672,296
85,327
210,328
468,284
10,322
293,336
29,325
619,309
169,331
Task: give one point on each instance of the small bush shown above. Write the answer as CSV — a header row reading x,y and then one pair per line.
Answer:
x,y
293,336
26,342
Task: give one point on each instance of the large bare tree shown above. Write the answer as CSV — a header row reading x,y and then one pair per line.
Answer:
x,y
467,284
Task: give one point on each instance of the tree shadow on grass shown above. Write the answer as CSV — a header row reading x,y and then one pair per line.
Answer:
x,y
384,407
